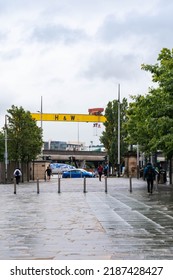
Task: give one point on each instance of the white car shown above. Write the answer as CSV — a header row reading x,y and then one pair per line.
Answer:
x,y
58,168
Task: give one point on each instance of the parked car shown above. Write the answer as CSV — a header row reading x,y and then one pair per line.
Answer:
x,y
58,168
77,173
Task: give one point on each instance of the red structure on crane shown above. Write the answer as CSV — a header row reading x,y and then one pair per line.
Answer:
x,y
95,111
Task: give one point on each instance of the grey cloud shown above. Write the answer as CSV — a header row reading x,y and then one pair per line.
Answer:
x,y
113,28
58,33
108,65
158,24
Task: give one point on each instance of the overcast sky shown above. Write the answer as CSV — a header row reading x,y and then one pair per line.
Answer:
x,y
74,53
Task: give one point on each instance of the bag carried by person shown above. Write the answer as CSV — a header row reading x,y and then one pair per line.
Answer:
x,y
17,173
150,172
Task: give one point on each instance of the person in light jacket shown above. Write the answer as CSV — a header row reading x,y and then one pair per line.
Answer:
x,y
17,174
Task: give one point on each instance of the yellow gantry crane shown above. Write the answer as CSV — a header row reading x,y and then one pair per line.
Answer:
x,y
68,117
94,116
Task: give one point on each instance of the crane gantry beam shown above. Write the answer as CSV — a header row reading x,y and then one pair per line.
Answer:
x,y
68,117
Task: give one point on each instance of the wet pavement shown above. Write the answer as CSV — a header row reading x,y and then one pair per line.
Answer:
x,y
94,225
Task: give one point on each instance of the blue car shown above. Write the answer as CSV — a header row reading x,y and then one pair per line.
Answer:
x,y
77,173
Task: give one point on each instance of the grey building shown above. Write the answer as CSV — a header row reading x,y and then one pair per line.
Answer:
x,y
55,145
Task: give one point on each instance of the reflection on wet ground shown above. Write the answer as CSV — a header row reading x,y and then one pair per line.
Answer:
x,y
92,225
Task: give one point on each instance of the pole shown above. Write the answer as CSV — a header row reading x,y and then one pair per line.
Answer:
x,y
38,191
119,156
84,185
170,170
156,186
108,166
106,185
41,121
14,185
130,178
59,180
78,134
41,112
6,151
137,161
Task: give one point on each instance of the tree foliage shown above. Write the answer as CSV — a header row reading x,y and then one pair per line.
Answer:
x,y
150,117
109,137
24,136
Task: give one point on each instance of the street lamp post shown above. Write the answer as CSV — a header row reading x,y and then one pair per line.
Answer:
x,y
119,137
41,120
78,133
91,145
41,112
6,151
137,161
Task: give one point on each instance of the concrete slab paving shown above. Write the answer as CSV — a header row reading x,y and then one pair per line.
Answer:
x,y
93,225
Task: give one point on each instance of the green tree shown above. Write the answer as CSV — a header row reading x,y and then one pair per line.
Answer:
x,y
24,136
162,111
109,137
150,117
139,123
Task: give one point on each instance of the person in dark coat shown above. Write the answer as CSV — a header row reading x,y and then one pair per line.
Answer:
x,y
48,172
100,171
149,175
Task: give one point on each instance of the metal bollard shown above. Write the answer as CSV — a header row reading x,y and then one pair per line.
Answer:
x,y
14,185
59,185
156,186
130,178
84,185
38,190
106,185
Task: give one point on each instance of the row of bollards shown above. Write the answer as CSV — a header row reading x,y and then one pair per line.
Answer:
x,y
59,185
84,185
15,188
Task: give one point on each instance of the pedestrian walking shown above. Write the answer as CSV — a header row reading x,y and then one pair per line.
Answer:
x,y
100,171
48,172
149,175
105,170
17,174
